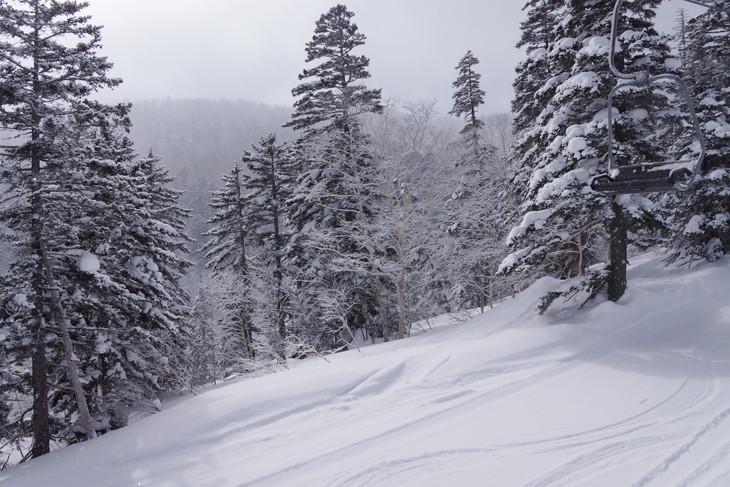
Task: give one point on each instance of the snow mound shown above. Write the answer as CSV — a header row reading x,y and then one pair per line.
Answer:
x,y
634,393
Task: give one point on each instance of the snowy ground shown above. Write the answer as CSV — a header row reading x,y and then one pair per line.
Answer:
x,y
629,394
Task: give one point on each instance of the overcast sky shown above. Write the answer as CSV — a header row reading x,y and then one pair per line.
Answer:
x,y
254,49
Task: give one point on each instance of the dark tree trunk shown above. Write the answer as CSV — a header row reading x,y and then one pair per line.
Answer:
x,y
279,267
617,253
40,421
582,243
41,425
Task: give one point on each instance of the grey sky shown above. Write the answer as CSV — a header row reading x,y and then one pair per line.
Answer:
x,y
254,49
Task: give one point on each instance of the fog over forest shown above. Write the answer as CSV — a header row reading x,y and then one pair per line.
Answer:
x,y
201,139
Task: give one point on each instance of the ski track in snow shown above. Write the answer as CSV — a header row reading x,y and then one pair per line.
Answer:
x,y
721,456
675,455
693,398
600,446
430,466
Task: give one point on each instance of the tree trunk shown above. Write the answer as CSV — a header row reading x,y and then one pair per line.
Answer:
x,y
279,268
382,308
490,295
581,243
401,292
41,422
60,320
41,418
617,253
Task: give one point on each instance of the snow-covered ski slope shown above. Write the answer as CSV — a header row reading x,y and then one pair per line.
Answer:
x,y
629,394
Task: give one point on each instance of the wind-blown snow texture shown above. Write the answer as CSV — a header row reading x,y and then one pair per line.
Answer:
x,y
632,394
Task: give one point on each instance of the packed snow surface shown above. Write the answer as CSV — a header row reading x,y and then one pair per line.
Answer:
x,y
635,393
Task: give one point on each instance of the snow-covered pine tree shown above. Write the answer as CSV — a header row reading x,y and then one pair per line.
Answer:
x,y
226,253
152,265
269,187
475,213
49,63
702,224
226,245
534,85
331,190
468,95
130,304
332,94
531,85
564,222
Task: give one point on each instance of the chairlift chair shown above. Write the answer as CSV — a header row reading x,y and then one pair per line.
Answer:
x,y
646,177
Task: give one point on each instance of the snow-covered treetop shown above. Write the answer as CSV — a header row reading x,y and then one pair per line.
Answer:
x,y
330,92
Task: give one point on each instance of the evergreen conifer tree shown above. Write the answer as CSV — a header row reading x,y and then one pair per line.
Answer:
x,y
474,211
95,277
332,188
533,86
468,96
226,253
269,188
702,223
116,253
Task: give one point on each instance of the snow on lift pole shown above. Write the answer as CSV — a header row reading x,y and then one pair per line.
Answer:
x,y
646,177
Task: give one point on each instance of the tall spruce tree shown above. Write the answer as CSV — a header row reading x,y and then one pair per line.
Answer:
x,y
533,86
468,96
474,211
332,185
116,254
128,305
269,188
226,252
702,223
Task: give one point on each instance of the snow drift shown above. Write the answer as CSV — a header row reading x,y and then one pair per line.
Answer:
x,y
635,393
